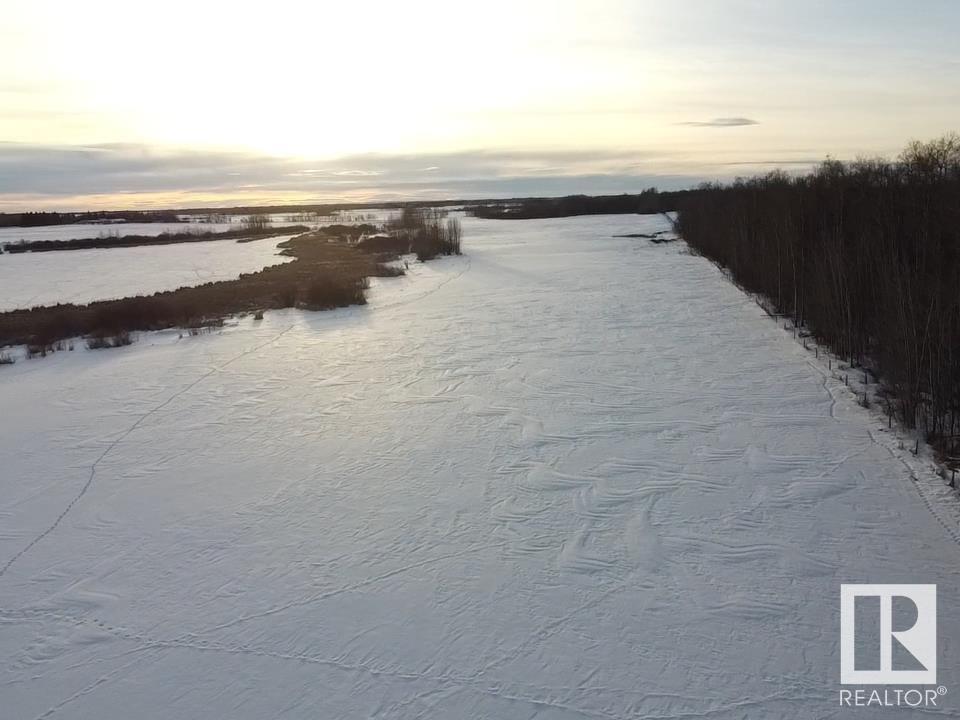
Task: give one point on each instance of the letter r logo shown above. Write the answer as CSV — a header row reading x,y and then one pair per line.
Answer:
x,y
896,634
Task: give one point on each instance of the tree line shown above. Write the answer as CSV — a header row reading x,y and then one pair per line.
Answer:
x,y
647,202
43,219
866,256
115,240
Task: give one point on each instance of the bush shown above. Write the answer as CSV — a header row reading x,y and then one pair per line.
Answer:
x,y
435,240
256,223
100,342
327,293
389,271
429,233
396,244
33,350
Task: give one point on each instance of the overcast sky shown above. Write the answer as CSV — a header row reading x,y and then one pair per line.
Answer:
x,y
112,103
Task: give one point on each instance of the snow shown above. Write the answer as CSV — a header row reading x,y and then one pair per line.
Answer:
x,y
564,476
93,230
192,223
82,276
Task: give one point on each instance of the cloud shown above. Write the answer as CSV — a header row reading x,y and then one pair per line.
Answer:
x,y
721,122
123,175
803,161
116,176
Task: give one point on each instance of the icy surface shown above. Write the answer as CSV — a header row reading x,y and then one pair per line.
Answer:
x,y
82,276
565,476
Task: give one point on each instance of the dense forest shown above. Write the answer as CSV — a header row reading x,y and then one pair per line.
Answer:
x,y
864,255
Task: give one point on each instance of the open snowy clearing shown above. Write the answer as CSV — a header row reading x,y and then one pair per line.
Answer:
x,y
565,476
82,276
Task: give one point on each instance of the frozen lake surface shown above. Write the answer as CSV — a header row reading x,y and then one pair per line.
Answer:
x,y
82,276
564,476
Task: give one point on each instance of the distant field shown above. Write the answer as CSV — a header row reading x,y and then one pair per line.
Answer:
x,y
72,232
224,223
82,276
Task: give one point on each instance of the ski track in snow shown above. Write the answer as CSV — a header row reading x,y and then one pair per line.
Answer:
x,y
126,433
568,475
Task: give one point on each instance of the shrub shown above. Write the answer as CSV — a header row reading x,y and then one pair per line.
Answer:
x,y
389,271
435,237
428,232
100,342
34,350
397,244
256,223
326,293
205,323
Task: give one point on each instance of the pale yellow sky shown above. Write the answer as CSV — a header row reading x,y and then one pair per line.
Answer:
x,y
329,82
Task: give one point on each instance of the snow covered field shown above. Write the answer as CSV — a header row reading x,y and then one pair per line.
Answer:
x,y
84,230
192,223
82,276
565,476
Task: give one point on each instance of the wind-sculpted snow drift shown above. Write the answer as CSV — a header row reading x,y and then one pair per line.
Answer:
x,y
567,475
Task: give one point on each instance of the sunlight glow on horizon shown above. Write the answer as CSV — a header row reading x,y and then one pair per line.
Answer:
x,y
321,80
330,80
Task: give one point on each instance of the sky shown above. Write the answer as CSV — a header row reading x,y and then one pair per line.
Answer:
x,y
119,104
